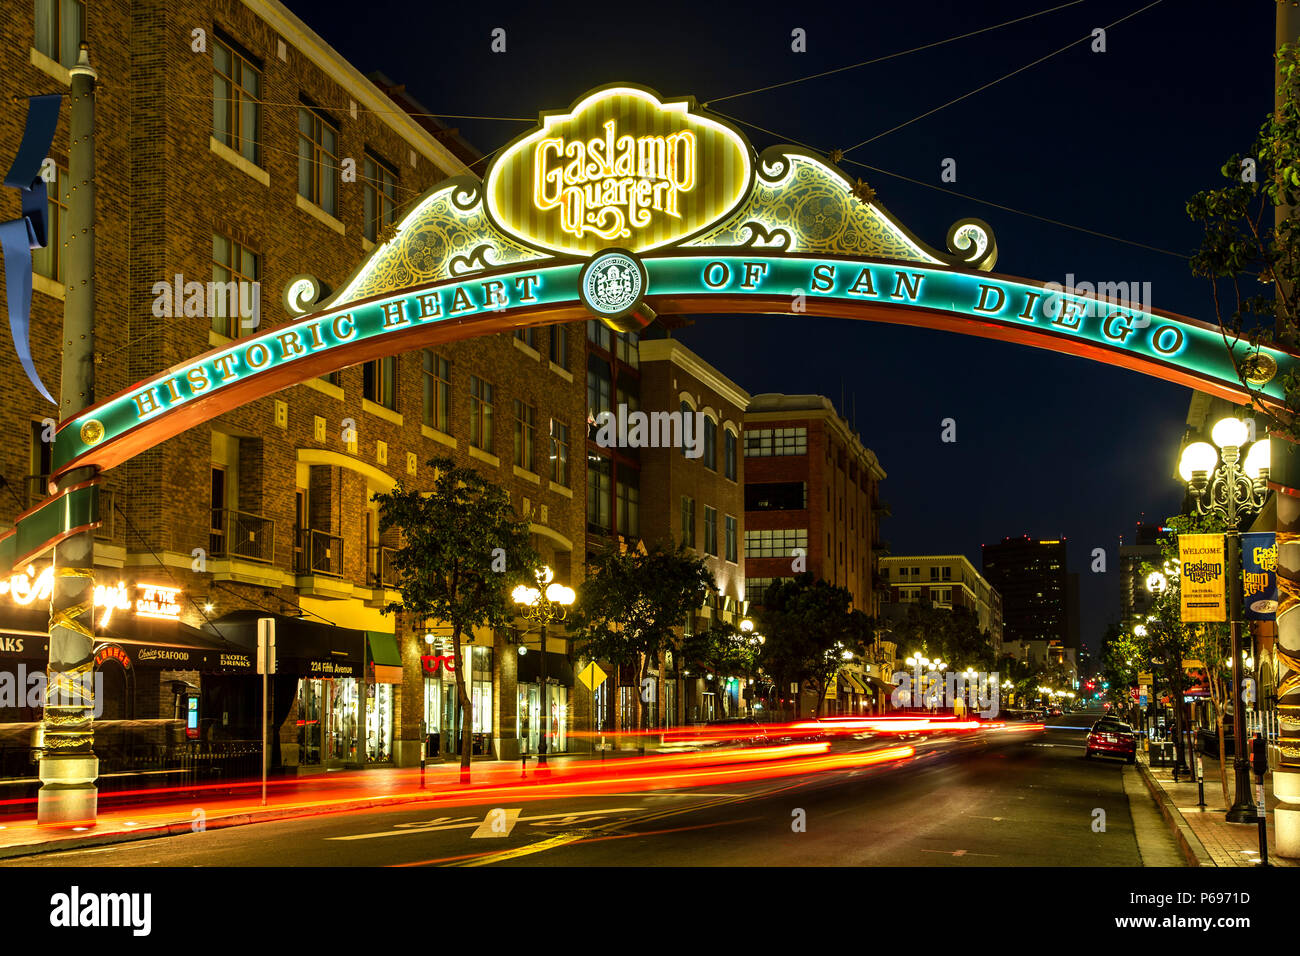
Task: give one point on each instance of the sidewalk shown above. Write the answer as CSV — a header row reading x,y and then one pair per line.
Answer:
x,y
1207,839
287,797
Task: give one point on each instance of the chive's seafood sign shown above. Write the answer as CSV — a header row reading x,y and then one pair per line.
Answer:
x,y
626,206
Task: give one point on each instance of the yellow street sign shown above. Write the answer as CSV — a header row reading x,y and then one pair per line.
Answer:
x,y
592,676
1145,679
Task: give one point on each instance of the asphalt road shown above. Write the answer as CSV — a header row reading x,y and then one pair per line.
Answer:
x,y
992,799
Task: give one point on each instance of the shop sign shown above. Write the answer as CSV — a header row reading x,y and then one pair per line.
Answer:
x,y
235,661
621,167
1203,577
431,662
158,601
170,655
1259,575
330,668
29,587
111,652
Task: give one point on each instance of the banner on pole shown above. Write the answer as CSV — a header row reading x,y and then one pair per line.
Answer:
x,y
1259,575
1204,597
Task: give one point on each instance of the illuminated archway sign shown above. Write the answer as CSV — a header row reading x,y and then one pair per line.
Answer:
x,y
626,206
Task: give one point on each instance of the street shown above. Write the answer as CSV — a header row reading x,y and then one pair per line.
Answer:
x,y
993,798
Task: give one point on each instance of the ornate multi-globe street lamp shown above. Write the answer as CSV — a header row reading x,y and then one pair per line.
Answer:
x,y
543,605
1231,484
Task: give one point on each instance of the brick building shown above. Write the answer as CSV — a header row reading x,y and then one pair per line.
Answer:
x,y
812,503
945,581
699,499
234,145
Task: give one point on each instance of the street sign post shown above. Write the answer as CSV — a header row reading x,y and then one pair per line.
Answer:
x,y
265,667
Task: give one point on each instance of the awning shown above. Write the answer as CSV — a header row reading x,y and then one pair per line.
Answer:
x,y
302,647
168,645
857,685
383,648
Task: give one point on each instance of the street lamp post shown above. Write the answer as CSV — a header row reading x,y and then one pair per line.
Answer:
x,y
1233,491
543,605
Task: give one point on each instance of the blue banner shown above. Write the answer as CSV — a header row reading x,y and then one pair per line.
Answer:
x,y
1259,575
19,237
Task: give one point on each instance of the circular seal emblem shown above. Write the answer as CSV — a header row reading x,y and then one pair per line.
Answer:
x,y
92,431
612,284
1259,369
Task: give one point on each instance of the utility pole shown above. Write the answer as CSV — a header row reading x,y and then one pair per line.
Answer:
x,y
68,765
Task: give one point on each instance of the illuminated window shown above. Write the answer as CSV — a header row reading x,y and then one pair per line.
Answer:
x,y
525,435
437,391
775,542
379,198
775,442
379,381
49,261
318,160
482,400
234,270
236,106
60,28
559,453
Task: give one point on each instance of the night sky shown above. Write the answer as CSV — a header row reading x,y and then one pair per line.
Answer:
x,y
1048,445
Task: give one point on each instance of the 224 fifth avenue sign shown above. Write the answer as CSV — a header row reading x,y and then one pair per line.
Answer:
x,y
626,206
1202,577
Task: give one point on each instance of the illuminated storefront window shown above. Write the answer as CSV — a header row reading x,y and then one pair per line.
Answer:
x,y
379,723
328,720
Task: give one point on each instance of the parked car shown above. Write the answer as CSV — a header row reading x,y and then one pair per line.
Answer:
x,y
1112,738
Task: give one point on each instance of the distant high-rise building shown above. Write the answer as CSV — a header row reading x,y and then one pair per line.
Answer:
x,y
1135,599
1031,576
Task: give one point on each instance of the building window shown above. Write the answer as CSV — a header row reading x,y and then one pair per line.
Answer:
x,y
437,391
688,421
941,596
934,574
776,496
688,521
756,589
599,388
598,494
236,102
481,687
60,28
482,399
598,334
710,444
559,453
775,542
379,381
776,442
628,348
560,345
525,435
947,574
318,160
730,523
710,531
234,269
629,503
379,198
49,261
528,336
729,454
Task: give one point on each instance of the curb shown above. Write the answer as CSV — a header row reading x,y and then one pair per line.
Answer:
x,y
1193,851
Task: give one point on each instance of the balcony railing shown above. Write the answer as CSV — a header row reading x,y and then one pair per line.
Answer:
x,y
37,490
380,570
319,552
238,534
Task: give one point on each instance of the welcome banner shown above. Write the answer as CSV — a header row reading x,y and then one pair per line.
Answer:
x,y
1259,575
1204,597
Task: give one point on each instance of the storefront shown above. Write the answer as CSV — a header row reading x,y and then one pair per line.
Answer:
x,y
530,699
334,692
442,710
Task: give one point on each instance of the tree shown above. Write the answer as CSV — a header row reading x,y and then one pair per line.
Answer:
x,y
462,551
810,632
1121,661
631,602
951,634
723,650
1244,249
